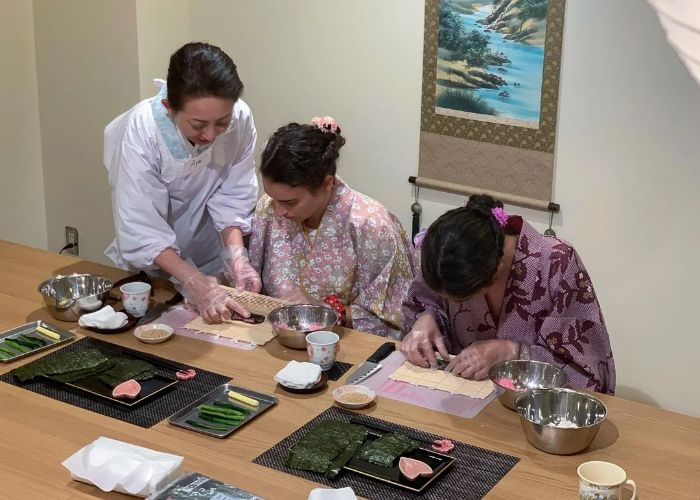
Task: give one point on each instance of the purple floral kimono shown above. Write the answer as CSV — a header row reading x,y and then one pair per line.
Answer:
x,y
360,253
549,304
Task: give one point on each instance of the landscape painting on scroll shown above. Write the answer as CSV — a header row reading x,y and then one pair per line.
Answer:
x,y
490,60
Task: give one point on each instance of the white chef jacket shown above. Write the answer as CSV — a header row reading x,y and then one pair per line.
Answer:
x,y
167,193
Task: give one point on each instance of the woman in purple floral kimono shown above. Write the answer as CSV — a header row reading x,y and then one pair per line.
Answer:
x,y
493,289
314,238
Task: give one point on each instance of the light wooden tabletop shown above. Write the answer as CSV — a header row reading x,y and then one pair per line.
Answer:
x,y
659,449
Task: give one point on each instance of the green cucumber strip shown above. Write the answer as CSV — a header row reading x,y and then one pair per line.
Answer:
x,y
8,350
221,411
27,343
34,340
17,346
224,417
219,420
224,404
207,426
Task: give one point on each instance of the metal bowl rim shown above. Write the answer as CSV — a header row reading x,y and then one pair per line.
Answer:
x,y
528,362
109,284
305,306
519,405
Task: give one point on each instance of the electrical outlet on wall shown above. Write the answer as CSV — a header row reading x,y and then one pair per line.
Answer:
x,y
72,238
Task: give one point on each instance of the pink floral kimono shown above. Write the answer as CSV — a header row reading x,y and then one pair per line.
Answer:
x,y
549,304
360,253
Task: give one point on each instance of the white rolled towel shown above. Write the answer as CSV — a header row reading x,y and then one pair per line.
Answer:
x,y
299,375
106,318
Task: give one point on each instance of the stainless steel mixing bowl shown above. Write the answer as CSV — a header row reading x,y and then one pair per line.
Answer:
x,y
292,323
541,410
69,297
525,375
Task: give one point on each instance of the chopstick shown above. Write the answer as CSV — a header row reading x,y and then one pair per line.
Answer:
x,y
386,428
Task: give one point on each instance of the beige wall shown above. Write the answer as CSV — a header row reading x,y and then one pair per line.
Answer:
x,y
87,65
627,170
21,177
162,27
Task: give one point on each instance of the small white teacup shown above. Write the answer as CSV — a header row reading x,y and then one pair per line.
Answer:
x,y
135,297
603,481
322,347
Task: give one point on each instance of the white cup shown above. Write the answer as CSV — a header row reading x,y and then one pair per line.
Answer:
x,y
322,347
603,481
135,297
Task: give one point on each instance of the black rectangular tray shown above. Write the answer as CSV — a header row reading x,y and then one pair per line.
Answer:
x,y
392,475
149,388
30,331
221,394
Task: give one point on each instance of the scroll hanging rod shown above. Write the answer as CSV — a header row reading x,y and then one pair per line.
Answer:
x,y
511,199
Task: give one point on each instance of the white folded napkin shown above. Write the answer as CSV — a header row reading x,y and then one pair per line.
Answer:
x,y
331,494
113,465
299,375
106,318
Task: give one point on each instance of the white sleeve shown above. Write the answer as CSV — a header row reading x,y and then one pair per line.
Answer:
x,y
233,203
140,199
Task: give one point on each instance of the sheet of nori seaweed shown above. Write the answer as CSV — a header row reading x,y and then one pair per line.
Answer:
x,y
67,362
317,449
70,377
127,369
386,449
346,455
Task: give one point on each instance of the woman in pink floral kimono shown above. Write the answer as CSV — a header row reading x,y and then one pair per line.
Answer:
x,y
314,238
493,289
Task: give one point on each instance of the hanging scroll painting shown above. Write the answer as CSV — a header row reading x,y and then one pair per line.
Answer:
x,y
490,90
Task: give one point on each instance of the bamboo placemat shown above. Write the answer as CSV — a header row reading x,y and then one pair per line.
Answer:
x,y
475,472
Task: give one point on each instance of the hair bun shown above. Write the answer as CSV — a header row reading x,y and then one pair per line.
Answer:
x,y
332,151
483,204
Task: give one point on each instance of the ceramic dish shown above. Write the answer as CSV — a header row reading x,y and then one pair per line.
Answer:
x,y
354,396
317,387
147,333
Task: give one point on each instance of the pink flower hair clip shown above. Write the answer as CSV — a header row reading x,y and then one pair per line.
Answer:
x,y
500,215
326,124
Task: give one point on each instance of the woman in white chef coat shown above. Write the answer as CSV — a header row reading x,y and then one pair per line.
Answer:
x,y
183,181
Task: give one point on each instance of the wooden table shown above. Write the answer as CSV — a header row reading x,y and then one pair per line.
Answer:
x,y
659,449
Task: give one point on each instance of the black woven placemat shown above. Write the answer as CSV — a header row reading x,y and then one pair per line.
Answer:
x,y
338,370
475,472
146,414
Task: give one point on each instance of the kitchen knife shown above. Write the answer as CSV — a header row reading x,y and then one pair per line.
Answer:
x,y
159,309
372,364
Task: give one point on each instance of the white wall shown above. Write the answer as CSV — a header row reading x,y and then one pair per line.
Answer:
x,y
626,175
87,65
21,177
628,178
163,26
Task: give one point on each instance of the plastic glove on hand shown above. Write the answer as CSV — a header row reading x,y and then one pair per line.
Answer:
x,y
238,269
211,301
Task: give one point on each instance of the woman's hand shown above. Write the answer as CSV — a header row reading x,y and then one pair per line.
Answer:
x,y
211,301
476,360
424,338
238,270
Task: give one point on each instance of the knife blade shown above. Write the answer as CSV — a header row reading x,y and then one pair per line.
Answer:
x,y
159,309
372,364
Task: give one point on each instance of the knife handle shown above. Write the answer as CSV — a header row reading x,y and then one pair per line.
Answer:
x,y
381,353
